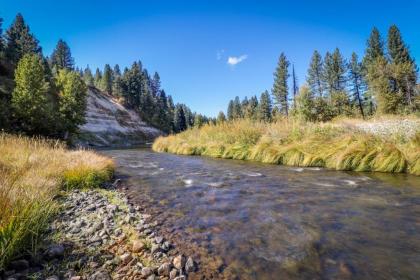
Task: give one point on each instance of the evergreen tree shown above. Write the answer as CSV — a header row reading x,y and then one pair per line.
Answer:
x,y
20,41
280,87
155,84
375,48
295,87
230,110
1,40
199,120
132,85
252,110
265,107
356,81
72,100
305,104
314,78
98,78
244,107
171,113
237,109
404,67
117,89
334,72
221,118
61,57
107,79
30,101
88,77
179,119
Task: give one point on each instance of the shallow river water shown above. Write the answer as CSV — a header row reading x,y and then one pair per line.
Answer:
x,y
244,220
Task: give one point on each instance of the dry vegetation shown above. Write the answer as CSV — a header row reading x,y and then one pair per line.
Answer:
x,y
341,145
32,172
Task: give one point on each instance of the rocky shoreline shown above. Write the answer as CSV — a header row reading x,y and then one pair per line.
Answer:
x,y
99,235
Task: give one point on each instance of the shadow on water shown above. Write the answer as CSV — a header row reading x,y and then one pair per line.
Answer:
x,y
255,221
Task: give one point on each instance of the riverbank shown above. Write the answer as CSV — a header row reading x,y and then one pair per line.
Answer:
x,y
385,145
62,219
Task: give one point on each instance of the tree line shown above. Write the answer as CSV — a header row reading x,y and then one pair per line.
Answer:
x,y
384,81
41,95
137,89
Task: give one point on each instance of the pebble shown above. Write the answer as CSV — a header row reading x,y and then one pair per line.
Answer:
x,y
164,269
179,262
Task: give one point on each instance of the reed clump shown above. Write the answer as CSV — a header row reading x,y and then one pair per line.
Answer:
x,y
32,173
341,145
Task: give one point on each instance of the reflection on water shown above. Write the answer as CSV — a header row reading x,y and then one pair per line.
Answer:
x,y
252,221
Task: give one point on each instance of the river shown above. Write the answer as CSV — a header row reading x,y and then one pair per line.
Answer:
x,y
244,220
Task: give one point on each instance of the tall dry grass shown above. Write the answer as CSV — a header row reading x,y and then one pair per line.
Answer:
x,y
32,172
340,145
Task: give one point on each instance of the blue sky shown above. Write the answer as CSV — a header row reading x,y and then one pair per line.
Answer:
x,y
189,42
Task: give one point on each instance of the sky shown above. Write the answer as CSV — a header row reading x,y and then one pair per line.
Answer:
x,y
208,52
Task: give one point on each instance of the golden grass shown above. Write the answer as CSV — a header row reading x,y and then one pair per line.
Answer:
x,y
32,172
336,145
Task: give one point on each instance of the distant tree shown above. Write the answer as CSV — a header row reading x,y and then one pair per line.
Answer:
x,y
280,88
374,49
356,82
315,73
295,87
252,109
98,78
88,77
155,84
179,119
230,109
117,82
244,107
72,93
20,41
132,82
61,57
237,109
107,79
199,120
305,104
171,112
221,118
1,40
405,69
265,107
30,101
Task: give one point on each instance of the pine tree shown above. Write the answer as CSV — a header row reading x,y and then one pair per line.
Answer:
x,y
30,101
244,107
1,40
295,87
171,113
237,110
72,100
107,79
314,78
375,47
230,109
88,77
20,41
155,84
117,82
305,104
334,72
221,118
280,88
132,86
252,112
405,69
265,107
98,78
179,119
356,81
61,57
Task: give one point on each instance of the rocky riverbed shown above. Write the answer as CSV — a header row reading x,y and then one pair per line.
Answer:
x,y
99,235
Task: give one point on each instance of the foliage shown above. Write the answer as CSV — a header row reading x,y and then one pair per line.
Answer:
x,y
61,57
280,87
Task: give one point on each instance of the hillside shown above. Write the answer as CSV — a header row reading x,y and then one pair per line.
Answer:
x,y
108,123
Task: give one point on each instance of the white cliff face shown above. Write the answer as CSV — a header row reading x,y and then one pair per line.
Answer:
x,y
108,123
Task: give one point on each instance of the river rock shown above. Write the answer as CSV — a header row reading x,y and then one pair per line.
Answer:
x,y
179,262
54,277
137,246
164,269
19,265
173,274
146,271
125,258
100,275
189,265
182,277
54,252
155,248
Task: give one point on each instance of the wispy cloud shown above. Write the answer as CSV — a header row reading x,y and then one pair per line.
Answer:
x,y
233,60
219,54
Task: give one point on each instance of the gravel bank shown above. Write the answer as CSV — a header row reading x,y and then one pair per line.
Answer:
x,y
99,235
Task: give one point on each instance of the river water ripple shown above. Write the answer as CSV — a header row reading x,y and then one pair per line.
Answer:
x,y
245,220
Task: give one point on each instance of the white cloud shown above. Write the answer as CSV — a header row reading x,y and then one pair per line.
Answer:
x,y
233,60
219,54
